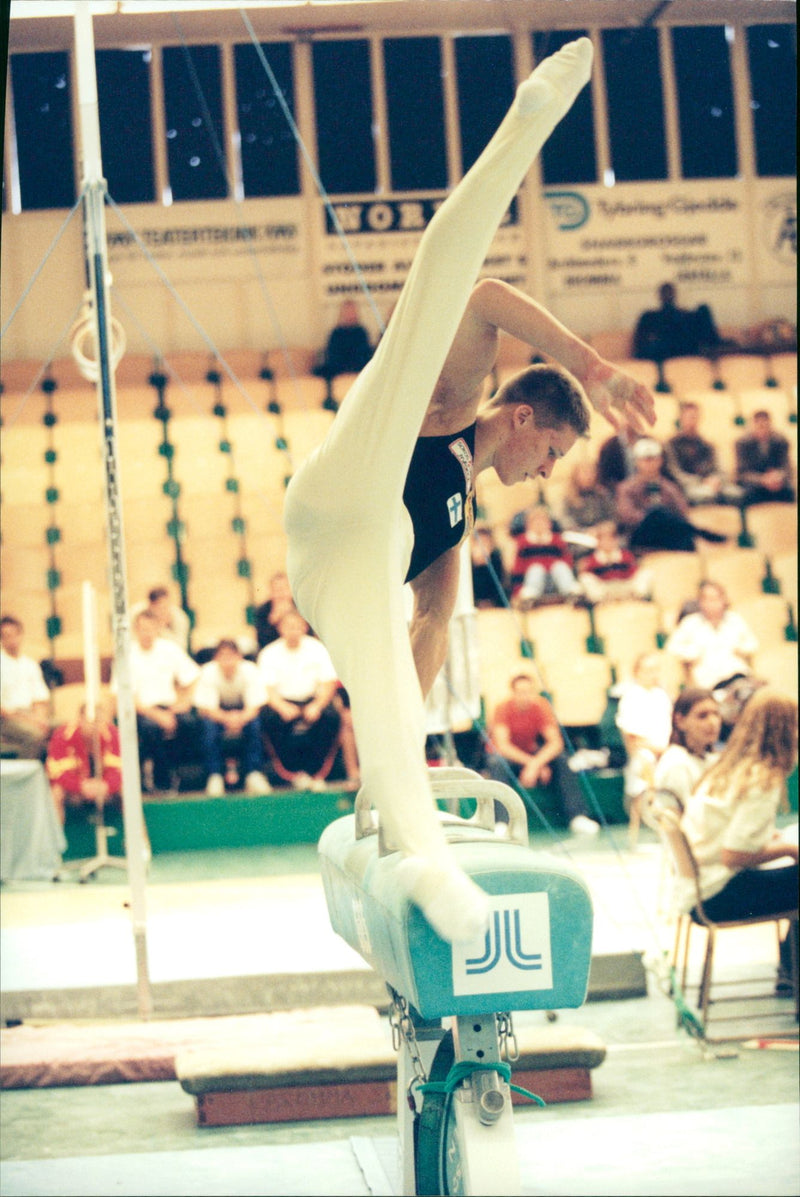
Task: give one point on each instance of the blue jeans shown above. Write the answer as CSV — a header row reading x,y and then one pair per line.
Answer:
x,y
217,746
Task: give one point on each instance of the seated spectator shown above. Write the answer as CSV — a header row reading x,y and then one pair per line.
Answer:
x,y
348,348
163,676
714,644
692,462
228,697
84,763
173,622
730,823
644,716
543,562
651,510
615,461
269,614
300,723
489,585
586,502
763,469
696,726
670,331
611,571
24,697
526,743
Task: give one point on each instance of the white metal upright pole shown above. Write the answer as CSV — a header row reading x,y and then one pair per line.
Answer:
x,y
94,193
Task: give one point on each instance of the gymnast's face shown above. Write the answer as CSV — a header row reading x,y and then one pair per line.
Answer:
x,y
528,451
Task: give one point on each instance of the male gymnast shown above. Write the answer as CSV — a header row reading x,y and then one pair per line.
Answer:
x,y
361,519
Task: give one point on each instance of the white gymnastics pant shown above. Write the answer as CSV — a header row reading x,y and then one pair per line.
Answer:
x,y
349,534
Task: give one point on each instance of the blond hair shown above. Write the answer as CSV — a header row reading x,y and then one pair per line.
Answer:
x,y
762,748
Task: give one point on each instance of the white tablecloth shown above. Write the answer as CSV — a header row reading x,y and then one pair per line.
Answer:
x,y
31,838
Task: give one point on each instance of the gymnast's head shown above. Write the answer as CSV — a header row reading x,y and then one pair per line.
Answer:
x,y
538,416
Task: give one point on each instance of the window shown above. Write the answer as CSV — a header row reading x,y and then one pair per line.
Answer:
x,y
635,104
568,155
485,79
123,101
772,54
343,100
705,102
41,90
415,105
195,138
269,149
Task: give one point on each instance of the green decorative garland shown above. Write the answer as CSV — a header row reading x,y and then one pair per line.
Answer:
x,y
53,624
176,528
244,567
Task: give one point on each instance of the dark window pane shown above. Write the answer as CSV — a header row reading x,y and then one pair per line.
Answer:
x,y
41,90
123,100
485,78
772,53
269,149
195,138
343,100
635,104
705,102
415,105
568,155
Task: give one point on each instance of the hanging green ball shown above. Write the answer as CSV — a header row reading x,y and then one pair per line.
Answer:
x,y
274,407
166,449
250,615
243,568
232,484
50,456
180,572
214,377
49,385
176,529
49,419
162,413
158,380
53,579
225,446
286,480
53,626
281,443
171,488
52,535
220,410
238,525
51,494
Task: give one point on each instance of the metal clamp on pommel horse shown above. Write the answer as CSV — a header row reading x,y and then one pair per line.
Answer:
x,y
452,1003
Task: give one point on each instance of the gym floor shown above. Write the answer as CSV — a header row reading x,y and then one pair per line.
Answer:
x,y
668,1115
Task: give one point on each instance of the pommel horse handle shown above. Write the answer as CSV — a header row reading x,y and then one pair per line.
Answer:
x,y
455,782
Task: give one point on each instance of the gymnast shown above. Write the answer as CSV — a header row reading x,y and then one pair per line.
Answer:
x,y
388,496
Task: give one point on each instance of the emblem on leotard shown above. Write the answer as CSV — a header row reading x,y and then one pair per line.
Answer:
x,y
460,450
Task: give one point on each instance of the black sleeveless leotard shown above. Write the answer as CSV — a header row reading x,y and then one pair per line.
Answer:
x,y
439,495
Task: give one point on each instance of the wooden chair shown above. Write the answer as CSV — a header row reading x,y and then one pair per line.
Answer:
x,y
675,578
501,652
684,374
663,811
767,615
740,371
740,571
578,684
557,629
627,629
773,526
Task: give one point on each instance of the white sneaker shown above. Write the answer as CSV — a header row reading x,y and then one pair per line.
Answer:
x,y
583,825
215,786
301,781
256,783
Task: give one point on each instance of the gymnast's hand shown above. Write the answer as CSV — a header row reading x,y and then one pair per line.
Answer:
x,y
616,394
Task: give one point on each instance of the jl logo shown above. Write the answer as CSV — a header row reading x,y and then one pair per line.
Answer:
x,y
514,955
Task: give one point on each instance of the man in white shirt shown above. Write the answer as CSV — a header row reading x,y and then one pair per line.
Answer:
x,y
714,644
173,622
300,724
229,696
24,697
163,678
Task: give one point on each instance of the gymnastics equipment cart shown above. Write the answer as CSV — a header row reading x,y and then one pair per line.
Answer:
x,y
451,1005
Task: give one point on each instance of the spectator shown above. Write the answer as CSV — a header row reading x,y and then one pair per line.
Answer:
x,y
730,823
489,585
24,697
611,571
696,726
543,561
348,348
300,722
587,503
615,461
228,697
670,331
173,622
714,644
163,676
763,468
652,510
526,742
644,716
83,762
692,462
270,613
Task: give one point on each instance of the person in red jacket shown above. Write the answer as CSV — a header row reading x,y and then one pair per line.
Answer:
x,y
83,762
543,561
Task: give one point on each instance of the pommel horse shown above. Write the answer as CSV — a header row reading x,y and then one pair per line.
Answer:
x,y
452,1003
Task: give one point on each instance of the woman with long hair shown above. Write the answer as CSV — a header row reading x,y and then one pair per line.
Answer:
x,y
696,726
730,820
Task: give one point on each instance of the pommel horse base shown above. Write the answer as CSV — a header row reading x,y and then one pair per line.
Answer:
x,y
452,1004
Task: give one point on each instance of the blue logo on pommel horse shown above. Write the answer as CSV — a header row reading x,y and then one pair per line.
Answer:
x,y
514,956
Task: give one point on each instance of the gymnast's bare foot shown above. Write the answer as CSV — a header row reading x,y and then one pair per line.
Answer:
x,y
559,78
456,908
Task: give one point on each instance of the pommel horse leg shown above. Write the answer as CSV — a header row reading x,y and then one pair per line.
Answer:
x,y
451,1003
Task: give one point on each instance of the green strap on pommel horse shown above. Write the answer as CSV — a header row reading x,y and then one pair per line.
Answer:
x,y
452,1003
